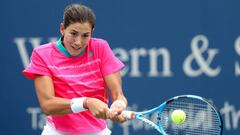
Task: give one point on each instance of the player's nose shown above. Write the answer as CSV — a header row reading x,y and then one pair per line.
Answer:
x,y
79,41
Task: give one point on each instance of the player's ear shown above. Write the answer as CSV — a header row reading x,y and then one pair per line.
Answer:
x,y
92,30
62,28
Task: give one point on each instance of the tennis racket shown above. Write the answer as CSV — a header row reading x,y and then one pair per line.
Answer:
x,y
202,118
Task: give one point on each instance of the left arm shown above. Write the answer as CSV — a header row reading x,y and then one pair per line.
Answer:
x,y
114,84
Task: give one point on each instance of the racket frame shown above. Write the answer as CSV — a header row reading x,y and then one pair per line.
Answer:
x,y
159,109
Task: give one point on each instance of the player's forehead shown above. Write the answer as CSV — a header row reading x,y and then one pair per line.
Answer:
x,y
81,28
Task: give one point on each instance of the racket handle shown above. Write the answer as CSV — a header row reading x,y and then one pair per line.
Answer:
x,y
128,114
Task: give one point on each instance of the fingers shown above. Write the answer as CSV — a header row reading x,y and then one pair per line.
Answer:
x,y
113,114
98,108
117,107
119,118
115,111
101,113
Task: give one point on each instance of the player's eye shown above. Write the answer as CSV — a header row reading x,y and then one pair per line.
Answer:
x,y
85,35
74,33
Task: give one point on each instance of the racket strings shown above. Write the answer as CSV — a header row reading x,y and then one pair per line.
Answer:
x,y
201,118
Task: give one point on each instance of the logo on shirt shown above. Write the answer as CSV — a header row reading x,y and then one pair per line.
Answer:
x,y
90,54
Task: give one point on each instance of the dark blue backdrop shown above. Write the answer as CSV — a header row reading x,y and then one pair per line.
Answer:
x,y
169,48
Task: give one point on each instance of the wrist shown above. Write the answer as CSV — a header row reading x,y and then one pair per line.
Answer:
x,y
77,105
85,103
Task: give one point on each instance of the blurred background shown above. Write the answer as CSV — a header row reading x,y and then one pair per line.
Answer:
x,y
169,48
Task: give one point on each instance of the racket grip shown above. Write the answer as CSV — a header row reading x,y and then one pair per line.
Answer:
x,y
128,114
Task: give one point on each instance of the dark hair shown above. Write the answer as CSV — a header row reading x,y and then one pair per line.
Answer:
x,y
78,13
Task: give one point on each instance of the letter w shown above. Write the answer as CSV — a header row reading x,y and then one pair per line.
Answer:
x,y
22,48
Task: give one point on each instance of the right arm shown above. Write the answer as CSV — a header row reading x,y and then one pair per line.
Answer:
x,y
52,105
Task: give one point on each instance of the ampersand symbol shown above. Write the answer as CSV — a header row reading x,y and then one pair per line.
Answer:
x,y
197,55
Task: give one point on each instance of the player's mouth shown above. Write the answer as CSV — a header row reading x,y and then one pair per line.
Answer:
x,y
76,47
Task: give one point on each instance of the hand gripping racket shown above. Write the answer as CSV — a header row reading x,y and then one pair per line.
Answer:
x,y
202,118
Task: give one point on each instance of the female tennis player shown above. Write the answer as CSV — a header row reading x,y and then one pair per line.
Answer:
x,y
71,78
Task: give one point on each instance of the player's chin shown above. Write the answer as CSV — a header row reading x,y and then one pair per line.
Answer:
x,y
75,53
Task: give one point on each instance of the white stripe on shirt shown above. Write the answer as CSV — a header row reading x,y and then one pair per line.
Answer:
x,y
79,75
77,66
